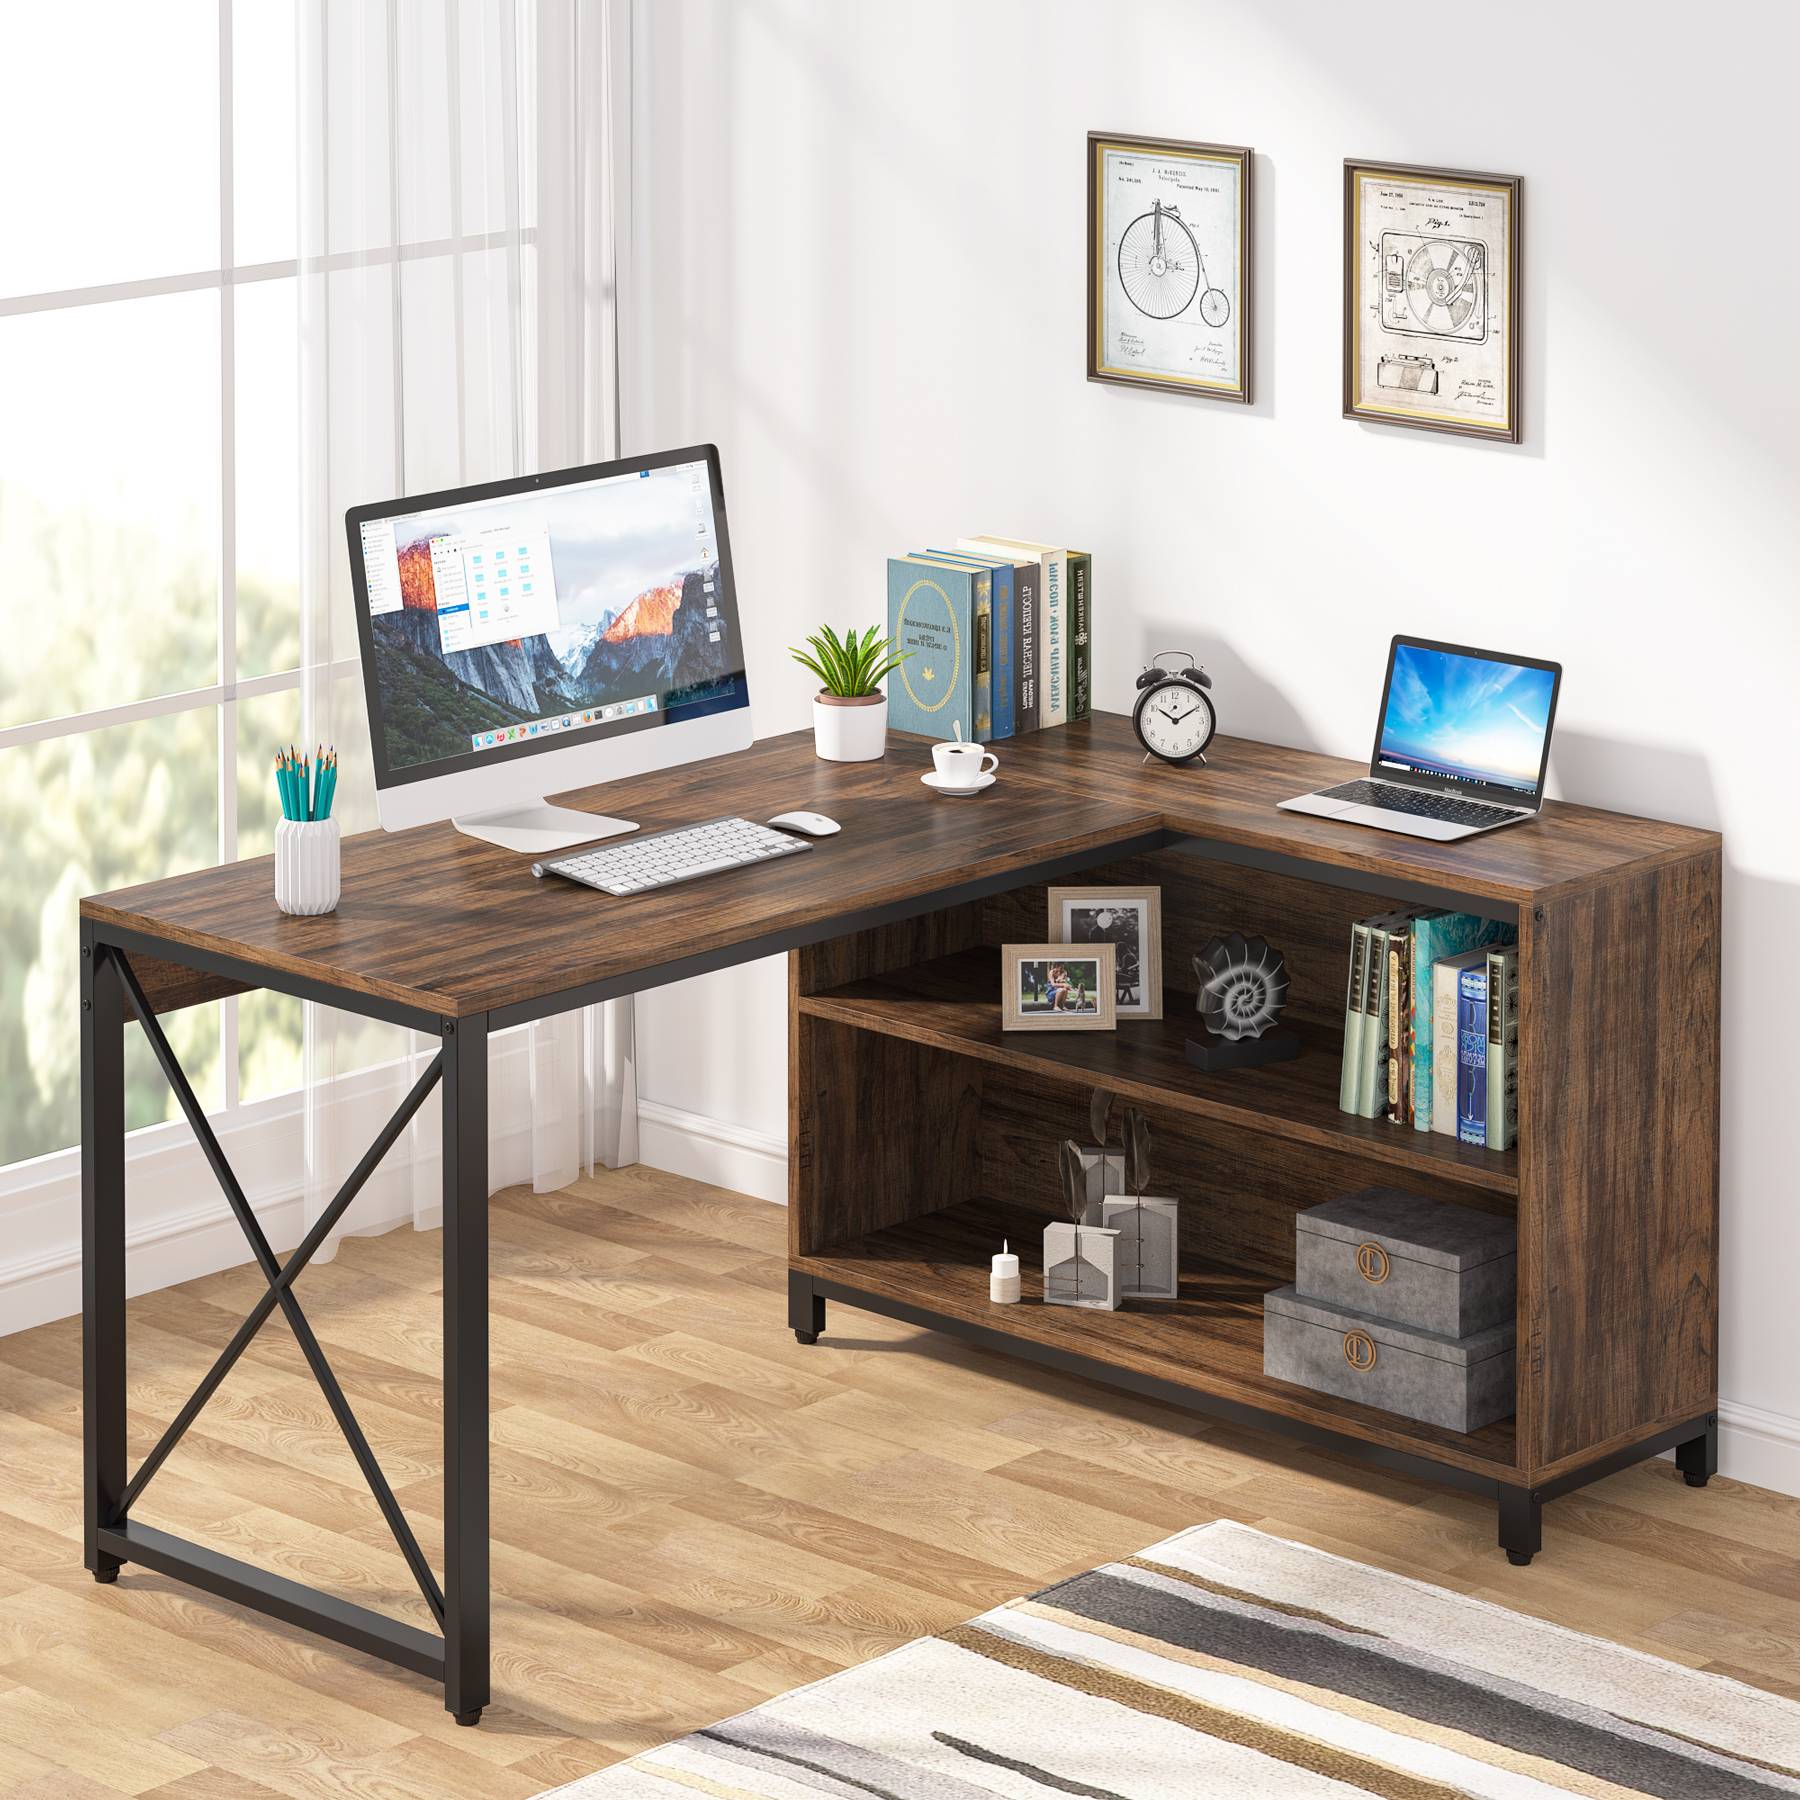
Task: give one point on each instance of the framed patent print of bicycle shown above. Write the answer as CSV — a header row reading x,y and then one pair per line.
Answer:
x,y
1169,265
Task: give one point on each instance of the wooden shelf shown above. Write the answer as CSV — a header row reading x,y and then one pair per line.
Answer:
x,y
952,1003
1210,1340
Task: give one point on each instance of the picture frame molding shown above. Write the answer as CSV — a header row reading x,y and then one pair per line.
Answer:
x,y
1104,1016
1244,301
1514,186
1150,973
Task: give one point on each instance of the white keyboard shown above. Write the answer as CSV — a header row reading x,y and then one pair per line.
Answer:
x,y
661,858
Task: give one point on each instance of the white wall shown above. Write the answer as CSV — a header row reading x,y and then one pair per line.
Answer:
x,y
857,264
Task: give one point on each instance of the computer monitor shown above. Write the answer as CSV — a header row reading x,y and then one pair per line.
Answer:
x,y
531,636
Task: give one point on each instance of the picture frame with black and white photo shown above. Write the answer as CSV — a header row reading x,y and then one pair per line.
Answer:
x,y
1052,987
1130,919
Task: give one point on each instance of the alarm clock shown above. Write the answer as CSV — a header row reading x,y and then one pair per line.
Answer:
x,y
1174,718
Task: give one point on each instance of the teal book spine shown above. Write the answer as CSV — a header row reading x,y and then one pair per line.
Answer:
x,y
931,612
1435,937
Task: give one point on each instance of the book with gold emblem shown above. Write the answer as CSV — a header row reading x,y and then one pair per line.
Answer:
x,y
932,614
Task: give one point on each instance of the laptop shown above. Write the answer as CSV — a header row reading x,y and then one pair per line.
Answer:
x,y
1461,743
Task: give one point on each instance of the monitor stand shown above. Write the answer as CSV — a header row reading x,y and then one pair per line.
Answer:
x,y
539,827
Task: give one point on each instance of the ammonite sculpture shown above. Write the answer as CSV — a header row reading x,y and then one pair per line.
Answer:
x,y
1243,986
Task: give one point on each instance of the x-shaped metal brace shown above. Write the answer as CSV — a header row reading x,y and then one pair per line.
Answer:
x,y
281,1278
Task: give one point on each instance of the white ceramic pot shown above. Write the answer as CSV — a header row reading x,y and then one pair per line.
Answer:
x,y
850,730
306,865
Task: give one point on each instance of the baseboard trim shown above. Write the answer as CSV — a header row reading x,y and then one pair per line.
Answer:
x,y
711,1150
1759,1446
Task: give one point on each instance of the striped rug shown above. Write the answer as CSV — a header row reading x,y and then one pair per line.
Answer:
x,y
1226,1662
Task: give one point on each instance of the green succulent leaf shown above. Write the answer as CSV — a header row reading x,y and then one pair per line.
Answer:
x,y
852,665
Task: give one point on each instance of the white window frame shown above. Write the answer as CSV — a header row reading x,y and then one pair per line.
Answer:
x,y
228,688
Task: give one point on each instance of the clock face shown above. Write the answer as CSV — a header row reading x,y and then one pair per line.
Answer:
x,y
1175,720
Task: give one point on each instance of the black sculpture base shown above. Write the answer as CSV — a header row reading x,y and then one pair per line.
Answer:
x,y
1209,1052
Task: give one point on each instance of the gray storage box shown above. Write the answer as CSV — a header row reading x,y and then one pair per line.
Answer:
x,y
1403,1257
1459,1383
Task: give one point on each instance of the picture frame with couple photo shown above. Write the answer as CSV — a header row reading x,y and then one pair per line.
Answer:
x,y
1052,987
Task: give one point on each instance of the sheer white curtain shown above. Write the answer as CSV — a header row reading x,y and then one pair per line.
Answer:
x,y
456,326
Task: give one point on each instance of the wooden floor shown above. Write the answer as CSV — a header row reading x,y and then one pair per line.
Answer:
x,y
690,1512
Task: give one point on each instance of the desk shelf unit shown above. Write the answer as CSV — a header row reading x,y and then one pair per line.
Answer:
x,y
922,1134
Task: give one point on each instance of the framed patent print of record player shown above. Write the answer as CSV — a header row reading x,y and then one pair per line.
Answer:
x,y
1431,299
1168,265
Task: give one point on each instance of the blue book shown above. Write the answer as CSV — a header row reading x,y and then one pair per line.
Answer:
x,y
1436,935
1003,674
931,612
1471,1054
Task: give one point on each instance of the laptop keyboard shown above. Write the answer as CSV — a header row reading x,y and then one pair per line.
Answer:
x,y
662,858
1447,807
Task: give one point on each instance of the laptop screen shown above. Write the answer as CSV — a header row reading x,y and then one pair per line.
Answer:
x,y
1466,716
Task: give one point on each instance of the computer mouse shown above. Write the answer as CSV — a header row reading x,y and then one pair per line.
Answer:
x,y
808,824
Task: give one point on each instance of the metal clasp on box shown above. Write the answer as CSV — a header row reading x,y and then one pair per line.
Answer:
x,y
1372,1263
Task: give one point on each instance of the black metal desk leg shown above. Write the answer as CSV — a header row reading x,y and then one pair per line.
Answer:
x,y
102,1250
466,1367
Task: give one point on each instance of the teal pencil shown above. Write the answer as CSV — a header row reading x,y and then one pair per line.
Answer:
x,y
287,789
280,785
330,786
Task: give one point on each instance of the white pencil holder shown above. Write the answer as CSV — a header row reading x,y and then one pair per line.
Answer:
x,y
306,865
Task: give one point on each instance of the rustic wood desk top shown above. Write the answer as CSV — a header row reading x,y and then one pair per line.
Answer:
x,y
443,923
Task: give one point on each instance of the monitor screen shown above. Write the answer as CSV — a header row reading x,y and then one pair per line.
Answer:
x,y
1454,715
499,620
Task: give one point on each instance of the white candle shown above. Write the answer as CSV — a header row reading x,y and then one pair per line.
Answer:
x,y
1003,1280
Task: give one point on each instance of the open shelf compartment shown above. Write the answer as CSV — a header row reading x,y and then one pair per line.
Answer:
x,y
951,1004
924,1135
1209,1341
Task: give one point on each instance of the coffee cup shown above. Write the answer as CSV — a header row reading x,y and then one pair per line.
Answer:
x,y
962,765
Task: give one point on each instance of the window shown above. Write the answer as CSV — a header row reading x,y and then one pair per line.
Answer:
x,y
149,502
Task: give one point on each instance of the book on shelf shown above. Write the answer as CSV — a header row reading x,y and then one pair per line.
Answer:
x,y
1056,683
1400,1028
1471,1051
1502,1046
1372,1072
1026,580
1002,641
1436,935
1446,975
1355,1005
932,613
1081,653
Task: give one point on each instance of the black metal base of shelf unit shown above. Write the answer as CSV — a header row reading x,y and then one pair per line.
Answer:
x,y
292,1602
1520,1507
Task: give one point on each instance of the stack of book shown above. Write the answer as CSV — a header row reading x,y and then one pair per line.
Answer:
x,y
1431,1025
999,635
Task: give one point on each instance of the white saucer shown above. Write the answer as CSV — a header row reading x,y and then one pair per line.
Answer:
x,y
936,782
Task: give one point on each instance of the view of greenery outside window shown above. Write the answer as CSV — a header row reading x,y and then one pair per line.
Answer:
x,y
149,500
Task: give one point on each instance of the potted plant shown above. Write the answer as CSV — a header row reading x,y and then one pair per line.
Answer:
x,y
850,710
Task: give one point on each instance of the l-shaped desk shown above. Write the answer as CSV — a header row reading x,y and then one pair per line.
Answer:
x,y
1614,1183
